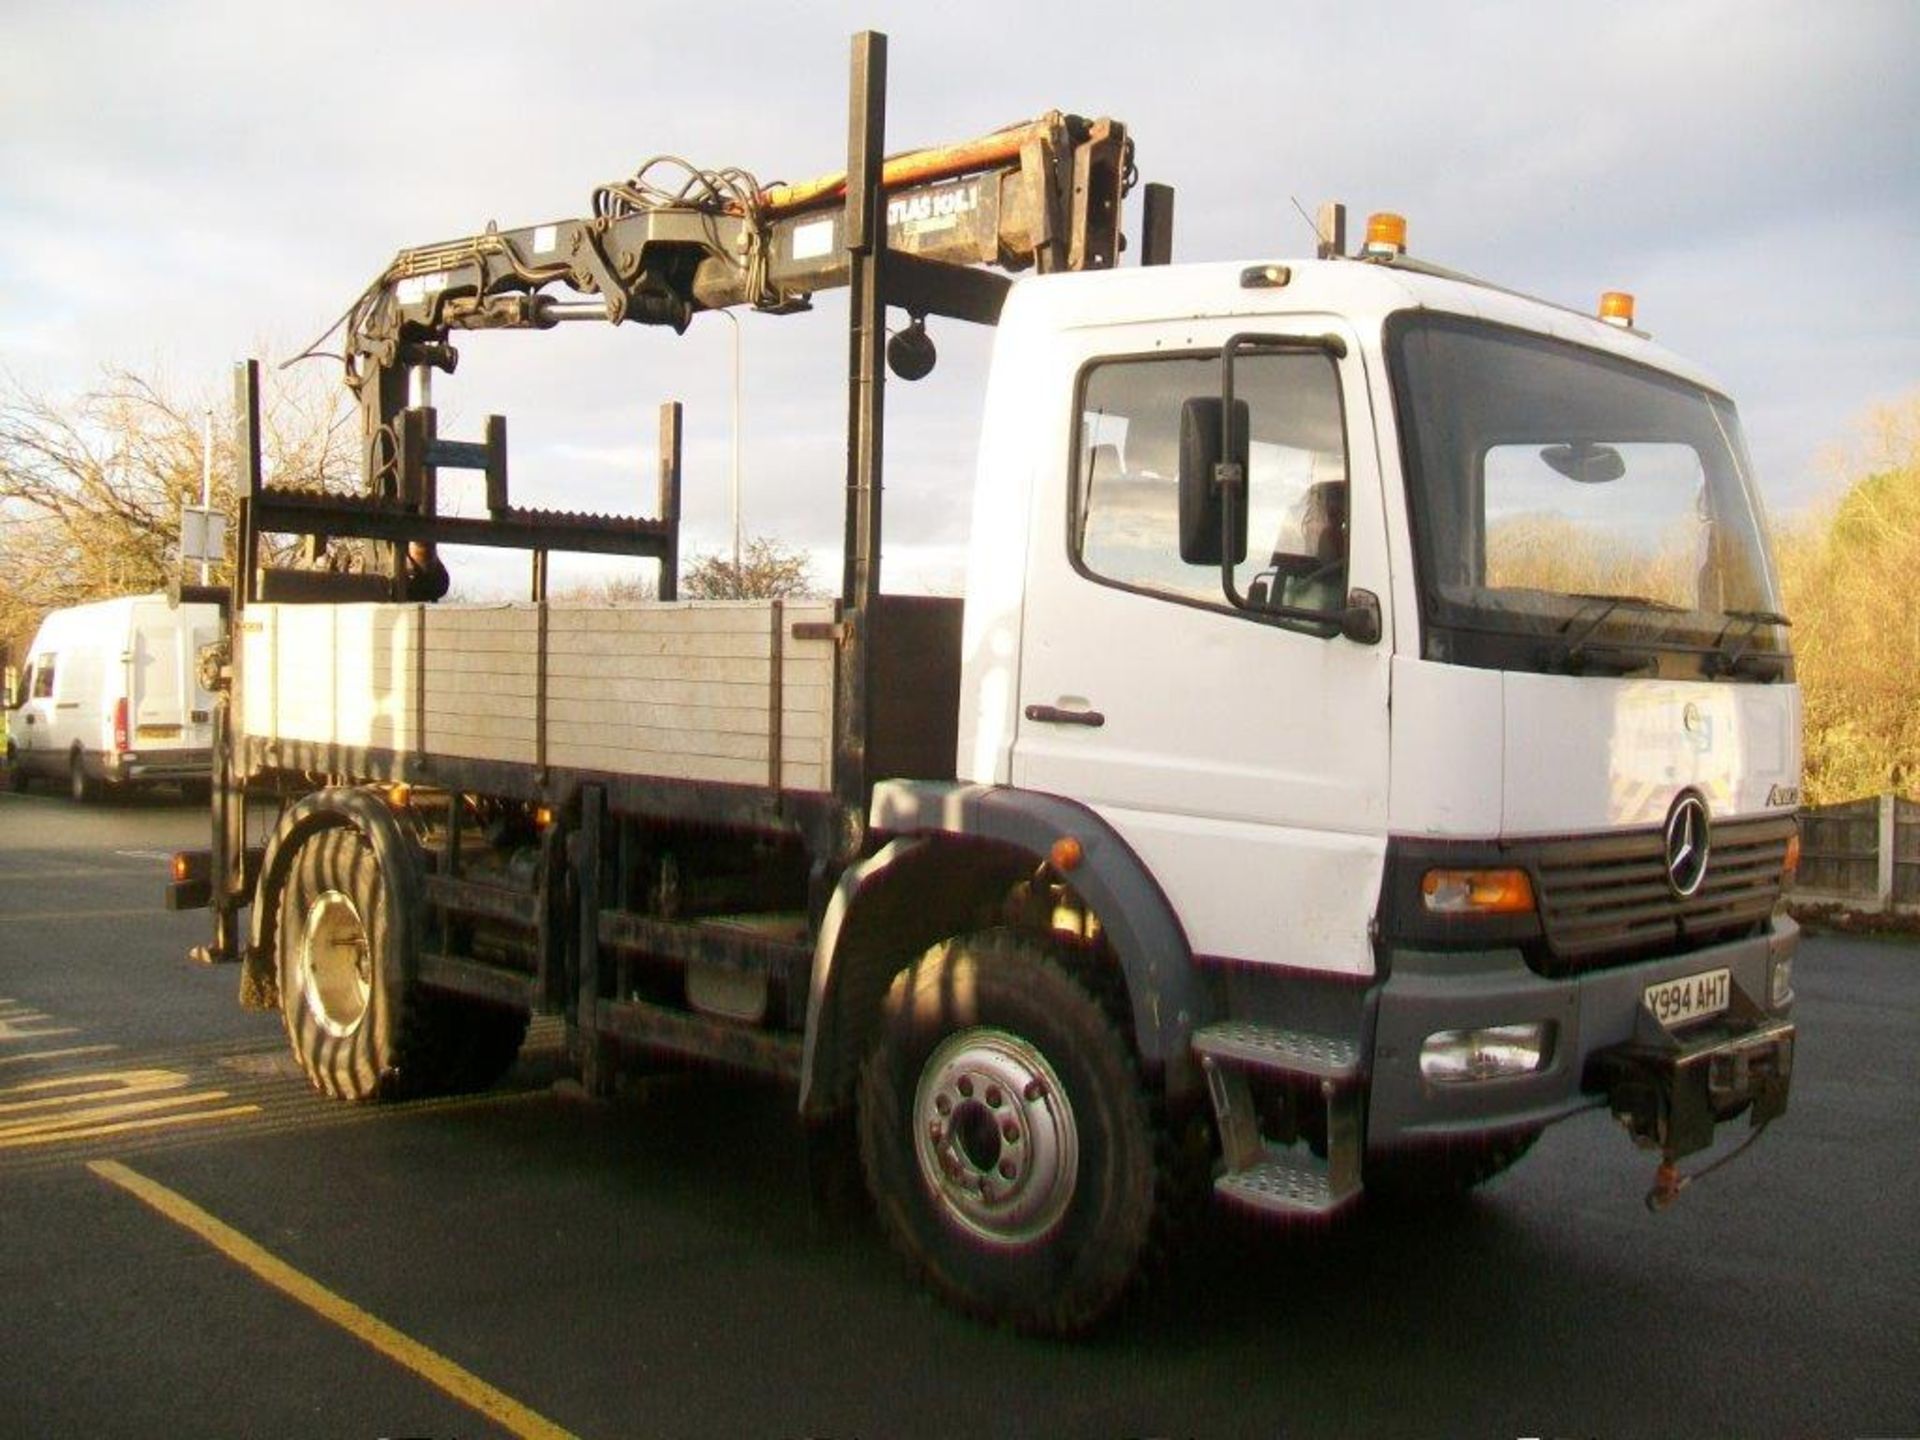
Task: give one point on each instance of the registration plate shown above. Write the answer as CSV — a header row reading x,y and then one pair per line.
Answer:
x,y
1692,997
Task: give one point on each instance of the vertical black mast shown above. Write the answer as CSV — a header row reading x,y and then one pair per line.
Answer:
x,y
866,243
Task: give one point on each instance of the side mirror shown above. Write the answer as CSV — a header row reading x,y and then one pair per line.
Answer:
x,y
1360,620
1586,463
1201,496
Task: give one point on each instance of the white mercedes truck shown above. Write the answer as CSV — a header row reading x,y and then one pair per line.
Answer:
x,y
1368,736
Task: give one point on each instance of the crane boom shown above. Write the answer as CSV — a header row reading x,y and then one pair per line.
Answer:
x,y
1045,194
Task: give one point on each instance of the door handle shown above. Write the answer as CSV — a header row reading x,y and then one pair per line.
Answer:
x,y
1054,715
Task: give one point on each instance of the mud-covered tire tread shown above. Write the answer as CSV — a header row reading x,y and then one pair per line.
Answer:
x,y
1069,1282
413,1041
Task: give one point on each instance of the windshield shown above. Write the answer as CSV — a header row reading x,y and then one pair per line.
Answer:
x,y
1572,511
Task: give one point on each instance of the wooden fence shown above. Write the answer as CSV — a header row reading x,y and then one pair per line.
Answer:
x,y
1864,854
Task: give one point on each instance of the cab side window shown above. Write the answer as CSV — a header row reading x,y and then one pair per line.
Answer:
x,y
1126,512
42,686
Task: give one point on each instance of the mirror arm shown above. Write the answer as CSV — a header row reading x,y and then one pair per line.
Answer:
x,y
1230,479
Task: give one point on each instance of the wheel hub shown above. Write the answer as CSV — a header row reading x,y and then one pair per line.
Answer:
x,y
336,964
995,1136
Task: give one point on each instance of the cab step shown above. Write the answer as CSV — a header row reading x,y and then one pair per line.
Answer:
x,y
1286,1182
1283,1180
1289,1052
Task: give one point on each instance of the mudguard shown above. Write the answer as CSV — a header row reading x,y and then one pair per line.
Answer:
x,y
1139,922
365,812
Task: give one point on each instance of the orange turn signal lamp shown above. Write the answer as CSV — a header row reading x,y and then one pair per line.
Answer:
x,y
1792,866
1386,234
1616,308
1067,854
190,865
1477,892
543,816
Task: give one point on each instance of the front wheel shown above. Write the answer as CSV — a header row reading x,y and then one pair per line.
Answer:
x,y
1005,1136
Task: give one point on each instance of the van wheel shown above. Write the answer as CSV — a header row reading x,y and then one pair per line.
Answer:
x,y
82,787
1005,1137
16,772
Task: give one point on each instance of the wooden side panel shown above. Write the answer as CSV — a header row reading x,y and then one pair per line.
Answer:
x,y
481,682
683,691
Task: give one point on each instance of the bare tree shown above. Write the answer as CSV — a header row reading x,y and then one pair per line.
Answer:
x,y
768,570
91,487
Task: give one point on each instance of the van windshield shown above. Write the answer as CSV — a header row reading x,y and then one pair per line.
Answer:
x,y
1575,512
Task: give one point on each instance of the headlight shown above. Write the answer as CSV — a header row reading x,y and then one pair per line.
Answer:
x,y
1457,1056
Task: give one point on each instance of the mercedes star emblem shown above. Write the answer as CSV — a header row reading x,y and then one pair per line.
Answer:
x,y
1687,844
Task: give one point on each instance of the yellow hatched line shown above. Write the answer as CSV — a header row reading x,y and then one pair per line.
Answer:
x,y
81,1120
464,1386
121,1127
67,1054
145,910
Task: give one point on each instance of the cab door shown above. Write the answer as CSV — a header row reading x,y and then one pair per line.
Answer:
x,y
1241,753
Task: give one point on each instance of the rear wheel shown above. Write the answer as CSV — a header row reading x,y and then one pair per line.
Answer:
x,y
81,786
360,1025
1006,1140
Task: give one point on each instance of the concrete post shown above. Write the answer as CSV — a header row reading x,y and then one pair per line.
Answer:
x,y
1884,886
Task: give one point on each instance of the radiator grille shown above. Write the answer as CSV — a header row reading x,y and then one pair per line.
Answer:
x,y
1605,899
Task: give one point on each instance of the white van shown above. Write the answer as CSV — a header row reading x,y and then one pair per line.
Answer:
x,y
111,697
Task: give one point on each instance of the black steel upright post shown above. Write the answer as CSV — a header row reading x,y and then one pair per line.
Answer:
x,y
227,863
670,415
866,239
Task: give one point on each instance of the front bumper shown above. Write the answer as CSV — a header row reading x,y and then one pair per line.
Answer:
x,y
1607,1048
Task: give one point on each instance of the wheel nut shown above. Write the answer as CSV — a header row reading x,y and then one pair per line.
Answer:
x,y
943,1104
1036,1090
995,1099
965,1087
1011,1132
1006,1170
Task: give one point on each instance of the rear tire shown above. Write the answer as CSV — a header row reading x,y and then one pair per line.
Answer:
x,y
342,1000
81,786
1006,1140
362,1028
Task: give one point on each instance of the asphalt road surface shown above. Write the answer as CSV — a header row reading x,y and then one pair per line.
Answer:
x,y
192,1243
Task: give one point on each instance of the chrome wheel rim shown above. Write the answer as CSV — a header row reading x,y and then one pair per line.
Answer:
x,y
336,964
995,1137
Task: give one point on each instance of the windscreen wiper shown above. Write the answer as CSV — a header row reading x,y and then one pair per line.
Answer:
x,y
1576,647
1729,662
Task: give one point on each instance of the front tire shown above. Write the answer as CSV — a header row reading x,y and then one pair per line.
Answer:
x,y
1005,1137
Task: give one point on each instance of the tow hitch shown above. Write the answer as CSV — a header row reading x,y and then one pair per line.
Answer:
x,y
1671,1091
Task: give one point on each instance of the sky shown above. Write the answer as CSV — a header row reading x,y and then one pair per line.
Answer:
x,y
184,184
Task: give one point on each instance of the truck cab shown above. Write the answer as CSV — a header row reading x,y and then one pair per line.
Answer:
x,y
1549,783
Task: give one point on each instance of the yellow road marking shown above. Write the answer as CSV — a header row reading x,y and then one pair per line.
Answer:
x,y
85,1106
121,1127
464,1386
19,1023
107,1083
66,1054
147,910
